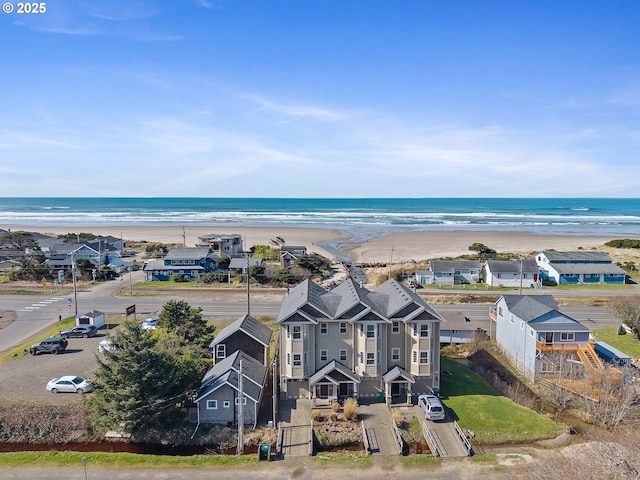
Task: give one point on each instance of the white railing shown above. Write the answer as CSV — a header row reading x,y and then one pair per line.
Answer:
x,y
397,435
463,438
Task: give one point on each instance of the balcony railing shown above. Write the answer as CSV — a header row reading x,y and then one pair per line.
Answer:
x,y
559,346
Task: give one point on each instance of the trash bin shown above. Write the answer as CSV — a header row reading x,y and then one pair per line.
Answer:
x,y
264,452
381,397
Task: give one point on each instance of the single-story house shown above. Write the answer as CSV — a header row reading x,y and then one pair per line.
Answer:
x,y
460,327
239,265
511,273
218,399
578,267
455,272
246,334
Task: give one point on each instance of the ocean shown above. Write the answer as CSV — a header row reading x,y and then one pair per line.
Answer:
x,y
358,219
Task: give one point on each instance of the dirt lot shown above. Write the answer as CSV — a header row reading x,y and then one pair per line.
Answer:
x,y
26,377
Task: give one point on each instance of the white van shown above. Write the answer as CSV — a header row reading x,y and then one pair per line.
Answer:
x,y
432,407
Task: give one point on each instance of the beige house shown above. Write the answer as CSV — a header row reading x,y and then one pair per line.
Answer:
x,y
351,341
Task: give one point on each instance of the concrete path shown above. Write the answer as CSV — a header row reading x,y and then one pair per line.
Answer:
x,y
377,423
444,433
296,427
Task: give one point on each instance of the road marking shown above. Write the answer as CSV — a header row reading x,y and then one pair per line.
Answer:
x,y
32,308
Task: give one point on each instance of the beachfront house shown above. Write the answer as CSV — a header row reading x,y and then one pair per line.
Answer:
x,y
454,272
511,273
188,262
354,342
539,340
290,253
62,255
579,267
219,396
246,334
225,245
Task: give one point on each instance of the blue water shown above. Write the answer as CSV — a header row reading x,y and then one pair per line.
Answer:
x,y
358,219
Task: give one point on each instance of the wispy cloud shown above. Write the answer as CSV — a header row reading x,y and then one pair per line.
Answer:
x,y
292,111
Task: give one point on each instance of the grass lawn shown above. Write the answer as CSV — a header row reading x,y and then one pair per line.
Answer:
x,y
625,343
493,418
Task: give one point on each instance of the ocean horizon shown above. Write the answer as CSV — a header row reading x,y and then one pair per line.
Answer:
x,y
356,218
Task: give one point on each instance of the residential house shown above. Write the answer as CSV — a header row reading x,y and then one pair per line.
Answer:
x,y
6,265
239,265
460,327
579,267
511,273
351,341
218,399
454,272
229,245
61,256
246,334
187,262
423,277
539,340
289,254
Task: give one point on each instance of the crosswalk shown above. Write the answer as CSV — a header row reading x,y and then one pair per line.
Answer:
x,y
41,304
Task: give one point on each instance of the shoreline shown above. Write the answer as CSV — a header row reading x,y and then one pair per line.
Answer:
x,y
418,245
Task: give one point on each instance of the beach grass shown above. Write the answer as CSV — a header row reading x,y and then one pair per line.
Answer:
x,y
493,418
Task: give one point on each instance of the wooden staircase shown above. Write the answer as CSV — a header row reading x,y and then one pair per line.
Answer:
x,y
589,358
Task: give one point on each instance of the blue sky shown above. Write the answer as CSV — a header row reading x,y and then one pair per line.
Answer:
x,y
325,98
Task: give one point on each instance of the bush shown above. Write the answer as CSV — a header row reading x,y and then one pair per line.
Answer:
x,y
350,409
316,415
335,407
624,243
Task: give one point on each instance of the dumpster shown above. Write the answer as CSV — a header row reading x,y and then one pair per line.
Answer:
x,y
264,452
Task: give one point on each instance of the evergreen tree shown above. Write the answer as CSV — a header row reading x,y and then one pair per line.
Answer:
x,y
177,316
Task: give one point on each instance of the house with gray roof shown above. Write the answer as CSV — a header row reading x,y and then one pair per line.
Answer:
x,y
186,261
239,264
223,245
511,273
246,334
579,267
454,272
219,396
539,340
348,341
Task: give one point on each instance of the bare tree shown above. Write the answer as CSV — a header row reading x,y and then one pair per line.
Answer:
x,y
628,312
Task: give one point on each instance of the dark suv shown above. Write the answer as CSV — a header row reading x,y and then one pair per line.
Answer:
x,y
84,331
49,345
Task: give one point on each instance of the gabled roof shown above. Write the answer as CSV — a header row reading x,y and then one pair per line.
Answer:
x,y
69,248
397,372
189,253
578,255
529,265
450,266
306,292
249,326
239,263
529,307
334,372
226,372
555,321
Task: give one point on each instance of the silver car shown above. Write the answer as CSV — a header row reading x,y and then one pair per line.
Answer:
x,y
70,384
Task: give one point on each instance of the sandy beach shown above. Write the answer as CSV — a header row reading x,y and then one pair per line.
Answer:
x,y
395,247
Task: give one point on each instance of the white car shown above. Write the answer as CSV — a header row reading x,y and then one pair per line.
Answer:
x,y
70,384
150,323
104,345
432,407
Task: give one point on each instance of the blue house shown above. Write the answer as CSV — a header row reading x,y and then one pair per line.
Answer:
x,y
187,262
579,267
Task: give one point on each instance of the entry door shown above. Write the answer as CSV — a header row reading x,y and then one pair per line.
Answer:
x,y
548,337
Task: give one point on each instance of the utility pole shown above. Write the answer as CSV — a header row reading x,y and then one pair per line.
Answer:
x,y
184,238
390,262
240,449
248,288
75,286
521,268
275,397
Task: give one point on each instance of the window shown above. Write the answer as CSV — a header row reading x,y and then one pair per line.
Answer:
x,y
324,329
424,330
424,358
371,331
288,331
522,325
288,359
244,401
395,354
226,404
371,358
415,329
395,327
221,351
414,356
500,311
323,355
512,318
343,355
212,404
296,360
297,332
361,357
343,328
567,336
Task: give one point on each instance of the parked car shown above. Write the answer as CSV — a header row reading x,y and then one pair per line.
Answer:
x,y
52,345
150,323
69,384
81,331
432,407
104,345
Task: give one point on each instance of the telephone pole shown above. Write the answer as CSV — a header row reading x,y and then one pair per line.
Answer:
x,y
240,449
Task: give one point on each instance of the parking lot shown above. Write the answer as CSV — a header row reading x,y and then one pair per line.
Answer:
x,y
25,378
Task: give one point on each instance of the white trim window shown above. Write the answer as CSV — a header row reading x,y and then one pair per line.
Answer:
x,y
424,330
395,354
343,355
343,328
567,336
221,351
395,327
297,360
371,358
297,332
324,328
414,356
244,401
371,330
424,357
324,354
212,404
226,404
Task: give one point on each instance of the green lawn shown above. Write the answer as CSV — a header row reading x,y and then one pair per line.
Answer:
x,y
625,343
493,418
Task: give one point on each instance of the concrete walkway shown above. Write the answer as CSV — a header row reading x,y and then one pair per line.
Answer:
x,y
295,419
378,425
